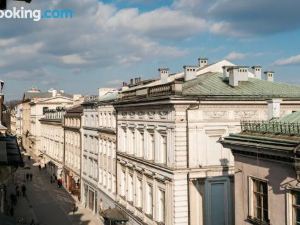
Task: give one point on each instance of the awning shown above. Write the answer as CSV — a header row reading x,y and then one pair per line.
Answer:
x,y
10,154
115,215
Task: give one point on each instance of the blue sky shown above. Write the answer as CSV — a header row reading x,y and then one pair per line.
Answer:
x,y
108,42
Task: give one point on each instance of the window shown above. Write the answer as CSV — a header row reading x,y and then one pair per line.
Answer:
x,y
149,209
161,206
122,183
259,201
296,207
130,188
139,193
151,148
163,152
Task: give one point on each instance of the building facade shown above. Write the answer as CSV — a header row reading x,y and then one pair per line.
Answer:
x,y
35,103
267,172
99,152
171,168
90,155
72,150
52,141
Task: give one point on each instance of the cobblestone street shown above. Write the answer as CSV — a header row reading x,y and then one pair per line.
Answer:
x,y
47,204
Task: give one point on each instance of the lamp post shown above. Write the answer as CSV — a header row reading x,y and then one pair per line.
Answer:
x,y
3,3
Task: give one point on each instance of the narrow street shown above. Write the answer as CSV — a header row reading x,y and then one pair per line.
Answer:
x,y
47,204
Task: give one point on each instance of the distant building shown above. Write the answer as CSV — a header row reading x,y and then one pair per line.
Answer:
x,y
72,149
35,103
267,172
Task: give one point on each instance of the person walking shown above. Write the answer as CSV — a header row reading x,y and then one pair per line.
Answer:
x,y
27,176
30,176
17,191
23,190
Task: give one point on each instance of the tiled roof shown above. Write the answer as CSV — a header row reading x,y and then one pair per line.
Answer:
x,y
291,118
32,95
212,84
110,96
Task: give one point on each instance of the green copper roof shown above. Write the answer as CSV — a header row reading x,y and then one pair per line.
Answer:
x,y
212,84
291,118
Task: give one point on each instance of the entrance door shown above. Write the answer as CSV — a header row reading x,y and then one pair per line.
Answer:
x,y
218,201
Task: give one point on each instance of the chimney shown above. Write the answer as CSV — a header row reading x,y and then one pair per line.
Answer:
x,y
202,62
274,108
256,70
190,72
237,74
137,80
164,74
226,72
269,76
54,93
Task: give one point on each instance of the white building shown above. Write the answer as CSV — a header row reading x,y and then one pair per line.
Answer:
x,y
52,141
16,120
72,149
170,167
39,102
99,152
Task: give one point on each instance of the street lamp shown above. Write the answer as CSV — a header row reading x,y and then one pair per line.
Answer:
x,y
3,3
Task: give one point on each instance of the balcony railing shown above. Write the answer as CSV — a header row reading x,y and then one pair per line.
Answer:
x,y
271,127
174,88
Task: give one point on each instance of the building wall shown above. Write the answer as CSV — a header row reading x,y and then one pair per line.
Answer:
x,y
280,178
150,148
52,145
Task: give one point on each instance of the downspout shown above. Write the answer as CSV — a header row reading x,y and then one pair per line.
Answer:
x,y
191,107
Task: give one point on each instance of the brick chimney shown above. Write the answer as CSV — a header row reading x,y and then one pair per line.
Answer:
x,y
269,76
202,62
190,72
164,74
237,74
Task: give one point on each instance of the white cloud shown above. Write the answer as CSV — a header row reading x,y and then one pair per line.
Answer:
x,y
293,60
236,56
73,59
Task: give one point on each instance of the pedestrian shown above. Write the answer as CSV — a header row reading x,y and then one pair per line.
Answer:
x,y
27,176
23,190
17,191
30,176
40,167
32,222
51,179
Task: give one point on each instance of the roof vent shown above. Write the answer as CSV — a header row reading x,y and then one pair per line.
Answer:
x,y
237,74
256,70
269,76
190,72
202,62
164,74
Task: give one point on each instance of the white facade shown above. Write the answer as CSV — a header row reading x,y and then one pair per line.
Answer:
x,y
52,141
37,107
98,155
171,168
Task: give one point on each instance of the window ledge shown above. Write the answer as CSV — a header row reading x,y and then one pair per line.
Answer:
x,y
255,221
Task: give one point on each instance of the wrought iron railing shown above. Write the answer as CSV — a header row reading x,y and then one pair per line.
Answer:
x,y
272,127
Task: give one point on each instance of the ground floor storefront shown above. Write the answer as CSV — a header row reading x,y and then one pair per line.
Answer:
x,y
71,182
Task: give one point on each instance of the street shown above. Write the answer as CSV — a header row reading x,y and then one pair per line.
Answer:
x,y
47,204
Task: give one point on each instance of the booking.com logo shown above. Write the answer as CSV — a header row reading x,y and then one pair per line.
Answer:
x,y
36,14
